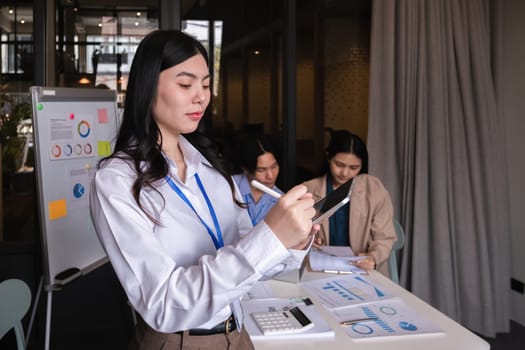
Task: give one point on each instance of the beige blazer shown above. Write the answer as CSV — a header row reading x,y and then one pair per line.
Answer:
x,y
371,218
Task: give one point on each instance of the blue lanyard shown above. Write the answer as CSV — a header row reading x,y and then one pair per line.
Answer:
x,y
217,241
251,208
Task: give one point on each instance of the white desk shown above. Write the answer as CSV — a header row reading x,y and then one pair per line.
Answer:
x,y
454,337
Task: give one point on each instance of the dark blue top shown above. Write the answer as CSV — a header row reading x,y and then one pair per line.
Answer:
x,y
339,221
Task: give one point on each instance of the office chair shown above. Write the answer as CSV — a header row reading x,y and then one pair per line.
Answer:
x,y
392,260
15,299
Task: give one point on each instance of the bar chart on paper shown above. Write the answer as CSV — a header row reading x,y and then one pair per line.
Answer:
x,y
344,291
388,317
365,309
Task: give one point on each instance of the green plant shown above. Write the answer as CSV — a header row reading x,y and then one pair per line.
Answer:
x,y
12,146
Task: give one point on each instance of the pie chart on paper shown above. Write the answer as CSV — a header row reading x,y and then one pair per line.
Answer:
x,y
407,326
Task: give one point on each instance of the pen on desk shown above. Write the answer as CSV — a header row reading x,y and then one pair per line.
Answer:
x,y
358,320
342,272
338,272
265,189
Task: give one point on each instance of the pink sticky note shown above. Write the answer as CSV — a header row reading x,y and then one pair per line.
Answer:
x,y
102,115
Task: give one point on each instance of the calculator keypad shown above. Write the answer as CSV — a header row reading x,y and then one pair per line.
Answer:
x,y
281,322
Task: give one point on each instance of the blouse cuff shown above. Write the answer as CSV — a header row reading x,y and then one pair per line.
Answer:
x,y
263,249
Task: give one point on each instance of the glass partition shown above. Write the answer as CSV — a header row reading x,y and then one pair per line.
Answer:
x,y
96,45
16,165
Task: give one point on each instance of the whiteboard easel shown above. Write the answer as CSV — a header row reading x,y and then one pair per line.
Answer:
x,y
73,129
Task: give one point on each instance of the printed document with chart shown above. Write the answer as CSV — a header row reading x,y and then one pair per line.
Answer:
x,y
366,309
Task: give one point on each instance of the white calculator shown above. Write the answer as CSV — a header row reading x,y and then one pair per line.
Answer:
x,y
282,322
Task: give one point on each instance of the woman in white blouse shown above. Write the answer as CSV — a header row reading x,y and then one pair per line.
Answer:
x,y
170,217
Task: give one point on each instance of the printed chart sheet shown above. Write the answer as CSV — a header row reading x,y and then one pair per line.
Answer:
x,y
366,309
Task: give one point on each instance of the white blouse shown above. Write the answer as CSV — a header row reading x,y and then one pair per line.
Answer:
x,y
172,273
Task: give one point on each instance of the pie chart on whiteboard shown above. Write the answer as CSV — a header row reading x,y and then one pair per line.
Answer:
x,y
78,190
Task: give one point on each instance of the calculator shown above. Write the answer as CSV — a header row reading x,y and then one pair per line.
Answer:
x,y
282,322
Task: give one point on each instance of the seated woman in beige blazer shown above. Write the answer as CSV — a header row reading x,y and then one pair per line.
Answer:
x,y
366,223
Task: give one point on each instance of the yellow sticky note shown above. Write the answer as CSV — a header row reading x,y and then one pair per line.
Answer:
x,y
104,148
57,209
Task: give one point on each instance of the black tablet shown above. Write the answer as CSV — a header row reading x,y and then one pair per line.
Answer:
x,y
328,205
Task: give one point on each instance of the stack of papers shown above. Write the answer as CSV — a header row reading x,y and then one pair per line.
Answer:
x,y
367,310
334,260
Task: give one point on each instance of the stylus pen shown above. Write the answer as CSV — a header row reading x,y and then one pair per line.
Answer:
x,y
266,189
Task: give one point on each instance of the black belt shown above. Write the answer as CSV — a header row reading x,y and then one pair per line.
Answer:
x,y
225,327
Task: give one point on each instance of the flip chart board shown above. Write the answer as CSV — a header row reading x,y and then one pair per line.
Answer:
x,y
73,128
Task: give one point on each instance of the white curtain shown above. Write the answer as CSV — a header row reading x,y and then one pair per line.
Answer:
x,y
436,139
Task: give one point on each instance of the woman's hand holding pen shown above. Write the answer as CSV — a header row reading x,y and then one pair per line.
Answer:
x,y
291,218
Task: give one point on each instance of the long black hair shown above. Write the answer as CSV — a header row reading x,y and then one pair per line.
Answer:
x,y
138,136
343,141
